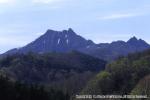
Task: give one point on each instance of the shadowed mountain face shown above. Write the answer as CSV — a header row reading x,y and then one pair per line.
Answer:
x,y
67,40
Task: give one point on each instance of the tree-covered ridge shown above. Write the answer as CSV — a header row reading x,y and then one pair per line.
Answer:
x,y
66,71
121,76
72,60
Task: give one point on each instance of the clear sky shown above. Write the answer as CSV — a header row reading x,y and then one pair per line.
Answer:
x,y
22,21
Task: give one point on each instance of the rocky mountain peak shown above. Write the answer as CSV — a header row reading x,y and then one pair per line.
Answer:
x,y
133,39
57,41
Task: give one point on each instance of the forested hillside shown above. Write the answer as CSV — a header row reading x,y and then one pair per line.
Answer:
x,y
68,72
123,76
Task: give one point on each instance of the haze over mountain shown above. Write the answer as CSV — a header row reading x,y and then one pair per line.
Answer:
x,y
67,41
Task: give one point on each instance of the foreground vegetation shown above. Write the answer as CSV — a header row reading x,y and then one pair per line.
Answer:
x,y
18,91
123,77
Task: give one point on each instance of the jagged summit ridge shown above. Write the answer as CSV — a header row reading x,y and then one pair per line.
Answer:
x,y
56,41
133,39
69,31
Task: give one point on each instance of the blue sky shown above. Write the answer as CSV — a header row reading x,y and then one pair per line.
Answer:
x,y
22,21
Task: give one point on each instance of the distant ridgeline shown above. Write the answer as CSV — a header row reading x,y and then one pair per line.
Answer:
x,y
67,40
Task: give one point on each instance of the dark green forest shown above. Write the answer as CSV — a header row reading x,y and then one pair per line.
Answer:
x,y
18,91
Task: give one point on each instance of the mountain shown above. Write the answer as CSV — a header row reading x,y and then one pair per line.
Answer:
x,y
55,41
67,40
58,70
